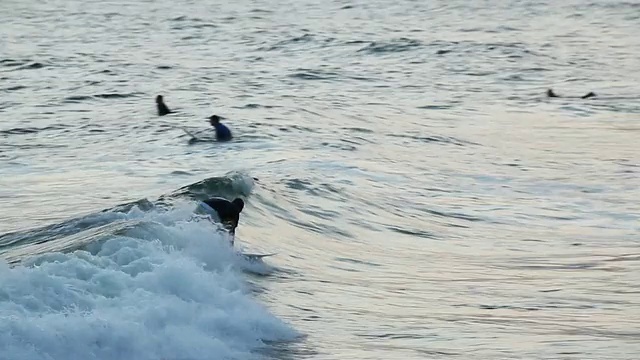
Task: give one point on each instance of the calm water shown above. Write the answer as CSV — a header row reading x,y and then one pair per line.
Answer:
x,y
425,199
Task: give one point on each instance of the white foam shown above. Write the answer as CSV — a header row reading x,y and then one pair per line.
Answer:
x,y
167,289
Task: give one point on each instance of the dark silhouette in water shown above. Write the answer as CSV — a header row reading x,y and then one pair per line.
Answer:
x,y
222,132
228,212
162,107
551,94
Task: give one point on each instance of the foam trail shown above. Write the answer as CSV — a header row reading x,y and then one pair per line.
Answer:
x,y
168,288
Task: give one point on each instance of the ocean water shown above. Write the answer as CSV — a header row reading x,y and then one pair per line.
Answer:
x,y
424,197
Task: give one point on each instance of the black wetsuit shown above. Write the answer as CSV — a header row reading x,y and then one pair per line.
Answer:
x,y
228,212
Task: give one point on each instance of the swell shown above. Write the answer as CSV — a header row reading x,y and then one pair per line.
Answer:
x,y
107,96
378,47
21,64
78,232
434,139
31,130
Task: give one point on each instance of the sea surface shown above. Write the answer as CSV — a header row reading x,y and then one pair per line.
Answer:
x,y
423,196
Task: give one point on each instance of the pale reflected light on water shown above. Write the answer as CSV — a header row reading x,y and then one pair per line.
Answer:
x,y
423,196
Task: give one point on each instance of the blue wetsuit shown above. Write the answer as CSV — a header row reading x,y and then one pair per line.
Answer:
x,y
222,132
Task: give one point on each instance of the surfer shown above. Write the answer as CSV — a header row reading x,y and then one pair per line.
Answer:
x,y
227,211
550,93
222,132
163,109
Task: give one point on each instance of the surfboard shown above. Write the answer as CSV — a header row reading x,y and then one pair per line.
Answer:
x,y
256,256
190,134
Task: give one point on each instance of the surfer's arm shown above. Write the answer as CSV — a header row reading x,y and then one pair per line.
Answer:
x,y
232,223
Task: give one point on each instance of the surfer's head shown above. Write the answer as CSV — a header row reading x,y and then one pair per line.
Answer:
x,y
239,203
159,99
214,119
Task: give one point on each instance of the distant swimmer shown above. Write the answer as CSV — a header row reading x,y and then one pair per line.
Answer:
x,y
222,132
550,93
162,107
227,211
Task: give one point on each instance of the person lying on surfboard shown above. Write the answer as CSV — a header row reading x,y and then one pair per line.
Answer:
x,y
227,211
